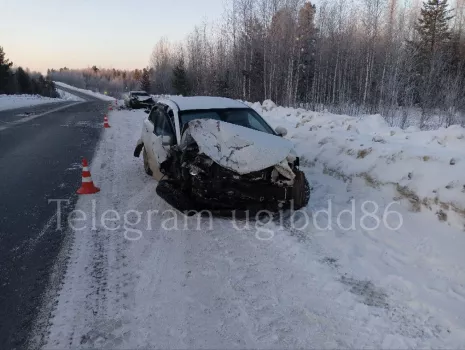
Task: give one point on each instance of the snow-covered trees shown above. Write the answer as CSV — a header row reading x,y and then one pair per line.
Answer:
x,y
114,82
162,62
370,56
348,57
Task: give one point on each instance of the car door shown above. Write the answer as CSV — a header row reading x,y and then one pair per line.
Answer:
x,y
126,99
158,133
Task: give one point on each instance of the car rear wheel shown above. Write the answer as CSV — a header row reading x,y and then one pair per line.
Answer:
x,y
147,169
301,190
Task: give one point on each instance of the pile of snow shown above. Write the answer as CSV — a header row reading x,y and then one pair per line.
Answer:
x,y
425,167
19,101
87,92
64,95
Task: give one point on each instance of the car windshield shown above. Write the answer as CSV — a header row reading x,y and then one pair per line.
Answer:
x,y
140,94
244,117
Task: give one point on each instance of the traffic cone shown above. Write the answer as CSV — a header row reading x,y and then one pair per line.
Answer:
x,y
87,186
105,122
110,108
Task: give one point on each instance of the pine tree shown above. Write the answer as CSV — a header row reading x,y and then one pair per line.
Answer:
x,y
145,80
433,26
180,80
24,81
431,55
5,72
51,88
306,34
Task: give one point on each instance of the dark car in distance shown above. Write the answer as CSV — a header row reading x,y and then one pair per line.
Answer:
x,y
138,99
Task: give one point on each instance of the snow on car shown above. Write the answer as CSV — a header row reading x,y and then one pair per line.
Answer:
x,y
217,153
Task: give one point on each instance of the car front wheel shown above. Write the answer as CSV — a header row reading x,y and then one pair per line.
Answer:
x,y
147,169
175,197
301,190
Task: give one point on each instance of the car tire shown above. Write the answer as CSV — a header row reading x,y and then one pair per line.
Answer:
x,y
147,169
301,191
175,197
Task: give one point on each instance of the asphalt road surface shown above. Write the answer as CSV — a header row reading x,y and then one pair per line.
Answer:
x,y
40,152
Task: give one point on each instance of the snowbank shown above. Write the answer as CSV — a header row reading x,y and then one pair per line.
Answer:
x,y
68,97
425,167
87,92
19,101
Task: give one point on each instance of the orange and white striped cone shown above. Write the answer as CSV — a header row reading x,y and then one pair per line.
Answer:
x,y
87,186
105,122
110,108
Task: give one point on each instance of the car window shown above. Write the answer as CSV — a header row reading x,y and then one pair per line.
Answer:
x,y
152,115
239,118
253,122
187,117
245,117
162,124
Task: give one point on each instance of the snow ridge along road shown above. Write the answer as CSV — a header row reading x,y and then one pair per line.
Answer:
x,y
82,92
9,102
137,278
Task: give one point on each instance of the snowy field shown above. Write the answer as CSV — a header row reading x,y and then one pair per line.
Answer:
x,y
146,277
84,91
19,101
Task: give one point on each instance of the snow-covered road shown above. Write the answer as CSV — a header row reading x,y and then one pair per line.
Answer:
x,y
151,278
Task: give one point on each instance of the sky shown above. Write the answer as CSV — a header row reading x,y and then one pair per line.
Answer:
x,y
42,34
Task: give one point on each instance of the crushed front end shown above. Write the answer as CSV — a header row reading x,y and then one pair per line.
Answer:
x,y
206,185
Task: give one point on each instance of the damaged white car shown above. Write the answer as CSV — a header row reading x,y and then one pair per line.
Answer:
x,y
218,154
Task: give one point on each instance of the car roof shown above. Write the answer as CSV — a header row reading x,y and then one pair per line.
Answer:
x,y
204,102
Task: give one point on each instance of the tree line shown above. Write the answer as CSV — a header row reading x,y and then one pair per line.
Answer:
x,y
19,81
394,57
391,57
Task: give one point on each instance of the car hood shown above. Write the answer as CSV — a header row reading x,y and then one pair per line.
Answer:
x,y
238,148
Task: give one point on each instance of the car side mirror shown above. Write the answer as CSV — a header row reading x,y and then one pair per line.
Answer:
x,y
281,131
166,140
